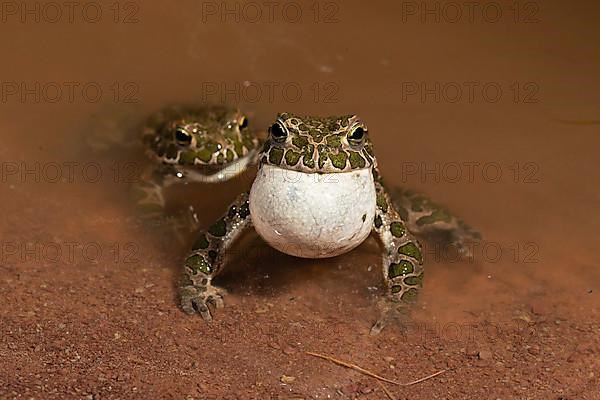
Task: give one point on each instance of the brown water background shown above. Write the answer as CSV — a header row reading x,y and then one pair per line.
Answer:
x,y
516,157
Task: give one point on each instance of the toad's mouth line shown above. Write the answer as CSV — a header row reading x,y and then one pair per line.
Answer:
x,y
303,171
219,172
276,173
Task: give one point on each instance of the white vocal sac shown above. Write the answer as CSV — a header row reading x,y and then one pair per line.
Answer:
x,y
312,215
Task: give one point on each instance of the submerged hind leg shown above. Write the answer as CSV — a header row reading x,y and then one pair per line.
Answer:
x,y
424,217
148,195
148,190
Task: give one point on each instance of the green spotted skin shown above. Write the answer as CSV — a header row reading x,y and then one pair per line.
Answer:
x,y
210,143
318,145
426,218
402,266
323,145
199,136
206,259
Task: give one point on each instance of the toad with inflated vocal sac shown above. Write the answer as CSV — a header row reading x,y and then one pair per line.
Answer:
x,y
318,193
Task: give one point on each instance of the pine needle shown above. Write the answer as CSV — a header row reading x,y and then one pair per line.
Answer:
x,y
386,391
372,374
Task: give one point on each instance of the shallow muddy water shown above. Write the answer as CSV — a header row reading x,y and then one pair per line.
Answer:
x,y
491,109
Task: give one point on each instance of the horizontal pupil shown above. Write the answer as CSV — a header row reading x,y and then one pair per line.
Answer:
x,y
357,134
182,136
277,131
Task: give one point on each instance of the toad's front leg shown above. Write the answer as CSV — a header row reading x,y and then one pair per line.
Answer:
x,y
207,256
402,260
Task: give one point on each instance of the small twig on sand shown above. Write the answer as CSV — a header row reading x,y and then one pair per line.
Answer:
x,y
372,374
386,391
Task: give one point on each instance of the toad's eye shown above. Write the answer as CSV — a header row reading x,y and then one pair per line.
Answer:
x,y
356,135
182,137
243,122
278,132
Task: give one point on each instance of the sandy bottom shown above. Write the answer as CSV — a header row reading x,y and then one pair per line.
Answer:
x,y
99,318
